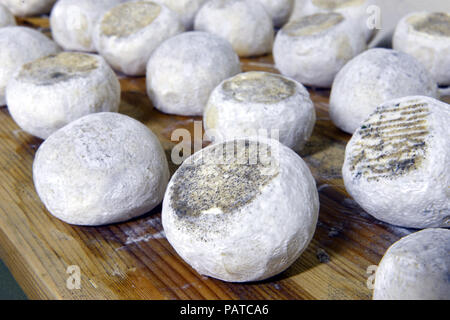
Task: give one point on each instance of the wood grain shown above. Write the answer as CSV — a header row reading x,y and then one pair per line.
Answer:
x,y
133,260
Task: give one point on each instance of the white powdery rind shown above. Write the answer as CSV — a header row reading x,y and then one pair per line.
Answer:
x,y
72,22
100,169
291,112
130,52
279,10
186,9
416,267
20,45
371,78
253,241
314,48
245,24
29,7
430,47
58,95
6,17
396,164
356,11
184,70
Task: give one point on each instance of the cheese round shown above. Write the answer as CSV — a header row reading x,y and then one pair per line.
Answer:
x,y
354,10
127,34
186,9
48,93
72,22
426,36
416,267
371,78
396,164
28,7
184,70
314,48
6,17
279,10
102,168
223,215
249,102
245,24
20,45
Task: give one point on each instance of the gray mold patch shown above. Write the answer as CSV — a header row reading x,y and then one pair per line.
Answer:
x,y
129,18
392,142
206,194
437,24
313,24
57,68
258,87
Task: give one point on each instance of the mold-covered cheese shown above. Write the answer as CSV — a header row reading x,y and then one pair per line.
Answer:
x,y
184,70
20,45
72,22
249,102
416,267
50,92
314,48
102,168
245,24
127,34
396,163
371,78
223,215
426,36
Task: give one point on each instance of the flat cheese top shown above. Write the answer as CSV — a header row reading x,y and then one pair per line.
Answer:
x,y
56,68
258,87
128,18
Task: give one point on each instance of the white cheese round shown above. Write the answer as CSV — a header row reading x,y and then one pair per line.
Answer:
x,y
184,70
187,9
416,267
371,78
354,10
397,163
247,217
72,22
127,34
6,17
246,103
28,7
314,48
100,169
48,93
426,36
20,45
245,24
279,10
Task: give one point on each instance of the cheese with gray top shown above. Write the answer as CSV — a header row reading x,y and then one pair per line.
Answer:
x,y
72,22
426,36
396,164
127,34
20,45
312,49
223,215
50,92
245,24
249,102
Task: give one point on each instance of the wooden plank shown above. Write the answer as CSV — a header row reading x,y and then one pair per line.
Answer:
x,y
133,260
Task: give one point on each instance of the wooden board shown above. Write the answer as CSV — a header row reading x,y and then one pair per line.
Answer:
x,y
133,260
